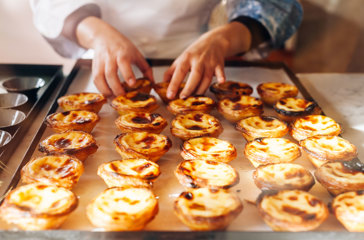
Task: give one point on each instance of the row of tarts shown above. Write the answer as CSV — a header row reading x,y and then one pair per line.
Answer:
x,y
46,200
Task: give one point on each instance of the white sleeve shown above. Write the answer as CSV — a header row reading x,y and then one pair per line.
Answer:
x,y
57,20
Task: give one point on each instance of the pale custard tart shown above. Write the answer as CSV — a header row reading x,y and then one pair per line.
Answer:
x,y
205,173
323,149
314,125
141,122
82,101
283,176
161,89
60,170
348,209
199,104
136,172
145,145
143,85
72,120
340,177
208,148
271,92
192,125
230,89
291,210
75,143
123,209
261,126
240,107
289,109
38,206
206,209
134,102
262,151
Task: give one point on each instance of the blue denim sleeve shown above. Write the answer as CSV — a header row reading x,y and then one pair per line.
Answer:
x,y
281,18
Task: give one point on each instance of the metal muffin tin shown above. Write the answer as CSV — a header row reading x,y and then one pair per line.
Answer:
x,y
12,100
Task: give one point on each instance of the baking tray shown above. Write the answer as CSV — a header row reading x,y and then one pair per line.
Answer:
x,y
168,232
52,74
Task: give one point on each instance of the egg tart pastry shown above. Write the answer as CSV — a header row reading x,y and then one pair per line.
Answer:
x,y
75,143
230,89
38,206
192,125
199,104
205,173
123,209
283,176
129,173
262,151
314,125
240,107
340,177
271,92
143,85
261,126
72,120
206,209
161,89
150,146
141,122
289,109
208,148
291,210
60,170
348,209
82,101
134,102
323,149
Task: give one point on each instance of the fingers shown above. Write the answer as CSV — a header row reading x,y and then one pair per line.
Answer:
x,y
144,67
177,78
126,71
169,73
205,83
192,81
220,74
112,78
99,77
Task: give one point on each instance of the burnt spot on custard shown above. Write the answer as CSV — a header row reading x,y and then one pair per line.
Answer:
x,y
141,168
198,117
197,103
140,97
187,195
308,106
230,87
141,120
195,128
197,206
66,113
62,143
298,212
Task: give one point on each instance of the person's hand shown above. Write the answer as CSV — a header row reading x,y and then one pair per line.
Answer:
x,y
113,51
205,59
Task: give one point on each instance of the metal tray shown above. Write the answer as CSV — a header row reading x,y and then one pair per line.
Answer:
x,y
70,234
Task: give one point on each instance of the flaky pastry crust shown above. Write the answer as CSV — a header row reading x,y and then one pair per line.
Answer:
x,y
199,104
161,90
240,107
230,89
141,122
134,102
271,92
206,209
82,101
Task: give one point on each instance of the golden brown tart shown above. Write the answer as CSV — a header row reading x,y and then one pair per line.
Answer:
x,y
60,170
230,89
206,209
289,109
72,120
348,209
145,145
141,122
123,209
314,125
205,173
261,126
75,143
199,104
262,151
192,125
283,176
323,149
271,92
240,107
291,210
142,85
208,148
134,172
134,102
82,101
340,177
161,90
38,206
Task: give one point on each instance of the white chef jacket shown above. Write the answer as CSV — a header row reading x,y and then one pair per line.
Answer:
x,y
159,28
